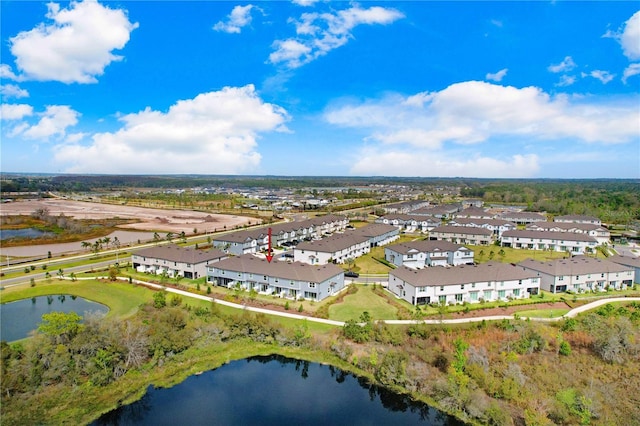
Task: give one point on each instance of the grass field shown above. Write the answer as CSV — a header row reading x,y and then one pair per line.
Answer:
x,y
543,313
122,299
353,305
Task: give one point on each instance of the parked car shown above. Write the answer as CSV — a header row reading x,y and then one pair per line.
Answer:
x,y
351,274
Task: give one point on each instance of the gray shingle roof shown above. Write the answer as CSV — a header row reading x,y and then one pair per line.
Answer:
x,y
441,275
578,265
426,246
175,253
248,263
465,230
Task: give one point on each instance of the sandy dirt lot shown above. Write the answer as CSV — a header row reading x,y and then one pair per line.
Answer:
x,y
149,219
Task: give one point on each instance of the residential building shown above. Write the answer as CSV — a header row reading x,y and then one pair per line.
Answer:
x,y
570,242
290,280
441,211
599,232
630,262
522,218
579,274
379,234
462,234
175,260
410,223
337,248
256,240
578,218
423,253
473,213
496,226
458,284
405,207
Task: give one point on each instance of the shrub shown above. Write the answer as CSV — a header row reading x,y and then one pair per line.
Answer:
x,y
565,348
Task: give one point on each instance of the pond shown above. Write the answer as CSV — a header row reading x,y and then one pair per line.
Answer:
x,y
275,390
18,319
6,234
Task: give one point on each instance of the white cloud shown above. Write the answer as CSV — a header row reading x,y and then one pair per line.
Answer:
x,y
53,122
473,112
214,132
76,47
566,65
628,36
377,162
630,71
15,111
603,76
566,80
12,91
497,76
319,33
305,3
239,17
7,73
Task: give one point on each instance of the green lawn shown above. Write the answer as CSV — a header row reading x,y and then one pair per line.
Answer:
x,y
543,313
365,299
511,255
122,299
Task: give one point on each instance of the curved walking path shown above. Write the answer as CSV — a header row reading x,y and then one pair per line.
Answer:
x,y
571,314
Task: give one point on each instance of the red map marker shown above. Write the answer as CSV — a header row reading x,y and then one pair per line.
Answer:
x,y
269,250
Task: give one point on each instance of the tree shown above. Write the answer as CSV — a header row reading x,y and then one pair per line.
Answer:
x,y
169,236
60,326
183,236
160,299
156,237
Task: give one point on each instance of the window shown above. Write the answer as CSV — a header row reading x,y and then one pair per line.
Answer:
x,y
458,297
473,295
520,282
487,294
516,292
501,294
442,299
441,288
560,278
312,285
473,285
461,286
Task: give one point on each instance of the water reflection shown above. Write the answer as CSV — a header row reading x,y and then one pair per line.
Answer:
x,y
275,390
18,319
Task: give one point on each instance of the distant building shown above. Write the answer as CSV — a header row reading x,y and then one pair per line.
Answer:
x,y
496,226
599,232
487,281
462,235
522,218
569,242
175,260
289,280
422,253
410,223
579,274
338,248
578,218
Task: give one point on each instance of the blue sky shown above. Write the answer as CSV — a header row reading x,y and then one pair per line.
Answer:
x,y
420,88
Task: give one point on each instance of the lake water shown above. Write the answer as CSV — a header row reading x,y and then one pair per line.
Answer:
x,y
274,390
19,318
6,234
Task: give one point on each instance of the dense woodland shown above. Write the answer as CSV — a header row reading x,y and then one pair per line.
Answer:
x,y
581,371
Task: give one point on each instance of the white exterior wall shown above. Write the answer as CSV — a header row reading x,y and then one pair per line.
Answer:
x,y
575,247
464,292
315,257
584,282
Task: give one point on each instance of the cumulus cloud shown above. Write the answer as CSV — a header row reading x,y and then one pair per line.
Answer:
x,y
497,76
474,112
214,132
15,111
630,71
628,36
305,3
399,162
239,17
603,76
566,80
319,33
53,122
7,73
12,91
76,46
566,65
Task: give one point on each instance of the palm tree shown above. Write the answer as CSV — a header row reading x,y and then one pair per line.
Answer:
x,y
85,245
169,236
156,237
